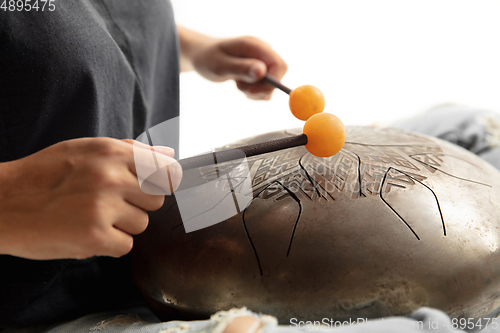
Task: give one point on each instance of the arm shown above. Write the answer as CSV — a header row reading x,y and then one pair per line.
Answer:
x,y
189,40
244,59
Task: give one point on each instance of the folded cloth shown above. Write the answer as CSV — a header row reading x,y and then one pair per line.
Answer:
x,y
477,130
141,320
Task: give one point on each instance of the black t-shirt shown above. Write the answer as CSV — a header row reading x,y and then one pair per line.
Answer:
x,y
88,68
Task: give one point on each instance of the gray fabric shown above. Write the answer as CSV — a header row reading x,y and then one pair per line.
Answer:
x,y
141,320
88,68
477,130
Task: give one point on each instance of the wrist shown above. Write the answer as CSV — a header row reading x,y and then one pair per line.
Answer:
x,y
190,43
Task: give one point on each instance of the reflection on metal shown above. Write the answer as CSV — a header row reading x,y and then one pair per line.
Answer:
x,y
393,222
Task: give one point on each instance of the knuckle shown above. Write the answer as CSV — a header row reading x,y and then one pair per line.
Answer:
x,y
251,39
99,144
108,147
106,176
66,146
129,141
283,67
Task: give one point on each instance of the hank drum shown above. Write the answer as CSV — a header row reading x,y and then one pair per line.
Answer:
x,y
393,222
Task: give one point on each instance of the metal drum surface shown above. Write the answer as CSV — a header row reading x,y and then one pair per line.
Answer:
x,y
393,222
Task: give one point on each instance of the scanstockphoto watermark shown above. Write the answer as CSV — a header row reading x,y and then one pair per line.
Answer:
x,y
326,323
27,5
367,178
427,325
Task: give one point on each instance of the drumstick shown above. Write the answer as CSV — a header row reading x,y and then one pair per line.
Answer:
x,y
271,80
304,101
323,135
241,152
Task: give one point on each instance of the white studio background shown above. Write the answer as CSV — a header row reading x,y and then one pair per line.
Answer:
x,y
375,61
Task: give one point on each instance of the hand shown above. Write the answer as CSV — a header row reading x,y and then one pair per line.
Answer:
x,y
76,199
245,60
243,324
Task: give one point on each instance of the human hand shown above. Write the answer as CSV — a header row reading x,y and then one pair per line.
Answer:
x,y
77,199
243,324
245,60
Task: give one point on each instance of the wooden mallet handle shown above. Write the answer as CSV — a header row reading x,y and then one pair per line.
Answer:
x,y
238,152
269,79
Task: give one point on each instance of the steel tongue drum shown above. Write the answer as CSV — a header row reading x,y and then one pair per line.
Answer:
x,y
393,222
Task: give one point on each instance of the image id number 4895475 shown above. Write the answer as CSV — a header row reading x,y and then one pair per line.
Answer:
x,y
28,5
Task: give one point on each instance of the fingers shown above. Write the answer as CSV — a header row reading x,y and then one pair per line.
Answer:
x,y
156,170
257,91
104,235
243,324
116,215
128,163
120,243
120,167
131,220
136,196
142,179
157,174
245,60
84,198
116,221
247,70
164,181
168,151
250,47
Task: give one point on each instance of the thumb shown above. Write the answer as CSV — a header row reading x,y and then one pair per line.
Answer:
x,y
243,69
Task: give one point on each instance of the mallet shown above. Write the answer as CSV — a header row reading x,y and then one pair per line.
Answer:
x,y
323,135
304,101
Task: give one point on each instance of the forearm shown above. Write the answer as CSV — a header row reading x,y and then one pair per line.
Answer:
x,y
246,60
9,172
190,41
